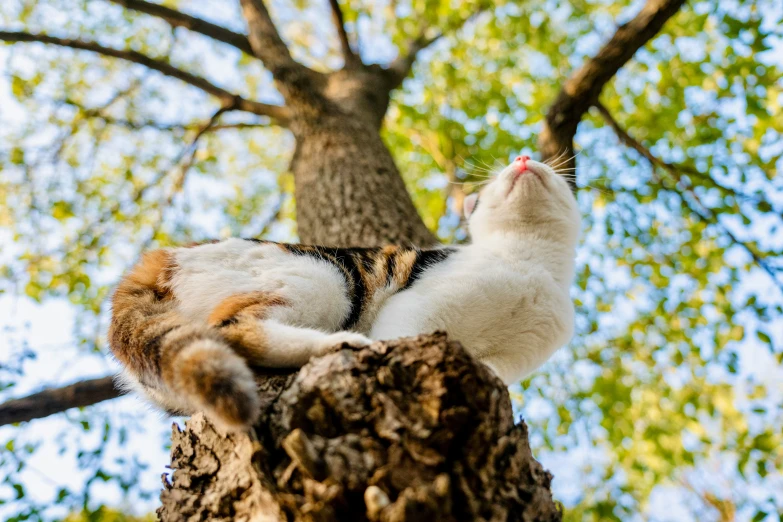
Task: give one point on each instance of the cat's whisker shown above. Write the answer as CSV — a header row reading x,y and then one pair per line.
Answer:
x,y
484,166
475,183
552,162
555,158
481,175
560,163
473,165
482,169
566,160
490,168
485,174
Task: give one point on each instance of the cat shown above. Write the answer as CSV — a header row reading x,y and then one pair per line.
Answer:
x,y
188,323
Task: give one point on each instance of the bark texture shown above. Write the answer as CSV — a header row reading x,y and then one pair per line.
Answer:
x,y
410,430
348,188
349,191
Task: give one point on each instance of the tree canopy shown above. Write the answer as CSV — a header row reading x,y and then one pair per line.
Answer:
x,y
667,403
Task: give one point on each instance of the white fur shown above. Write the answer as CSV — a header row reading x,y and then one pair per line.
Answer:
x,y
505,296
314,290
292,346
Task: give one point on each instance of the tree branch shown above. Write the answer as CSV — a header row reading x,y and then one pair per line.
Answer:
x,y
190,151
685,169
582,88
150,124
98,112
266,42
179,19
675,171
279,113
55,400
350,57
402,65
412,429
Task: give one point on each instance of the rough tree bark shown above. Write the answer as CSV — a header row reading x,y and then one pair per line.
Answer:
x,y
348,188
411,430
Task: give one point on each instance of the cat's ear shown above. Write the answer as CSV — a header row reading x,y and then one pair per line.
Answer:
x,y
469,204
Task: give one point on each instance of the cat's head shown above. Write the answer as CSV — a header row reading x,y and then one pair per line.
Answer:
x,y
526,198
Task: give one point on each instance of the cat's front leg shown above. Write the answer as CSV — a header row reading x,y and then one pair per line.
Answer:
x,y
291,346
252,325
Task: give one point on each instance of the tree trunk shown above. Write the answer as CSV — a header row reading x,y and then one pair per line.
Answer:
x,y
348,189
409,430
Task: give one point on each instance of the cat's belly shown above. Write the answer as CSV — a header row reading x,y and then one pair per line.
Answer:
x,y
314,291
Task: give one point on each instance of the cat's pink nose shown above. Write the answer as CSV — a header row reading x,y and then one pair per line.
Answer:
x,y
521,162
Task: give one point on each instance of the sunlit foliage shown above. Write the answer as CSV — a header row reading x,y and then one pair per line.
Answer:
x,y
667,404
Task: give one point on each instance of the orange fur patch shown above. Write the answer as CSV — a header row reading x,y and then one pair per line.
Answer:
x,y
255,303
154,271
403,266
238,315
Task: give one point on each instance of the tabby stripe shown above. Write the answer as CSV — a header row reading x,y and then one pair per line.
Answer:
x,y
359,291
360,269
424,260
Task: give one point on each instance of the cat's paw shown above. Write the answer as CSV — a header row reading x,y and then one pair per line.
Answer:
x,y
354,340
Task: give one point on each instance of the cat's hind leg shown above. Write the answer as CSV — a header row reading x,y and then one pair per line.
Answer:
x,y
182,366
251,323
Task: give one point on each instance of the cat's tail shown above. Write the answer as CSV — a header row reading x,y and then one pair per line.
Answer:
x,y
183,367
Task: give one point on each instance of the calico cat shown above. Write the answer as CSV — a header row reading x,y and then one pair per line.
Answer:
x,y
189,323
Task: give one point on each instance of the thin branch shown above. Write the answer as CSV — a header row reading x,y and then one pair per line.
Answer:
x,y
582,88
685,169
350,57
150,124
87,113
55,400
675,171
191,148
279,113
179,19
266,42
402,65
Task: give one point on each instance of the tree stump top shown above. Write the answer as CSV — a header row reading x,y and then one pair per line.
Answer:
x,y
409,430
